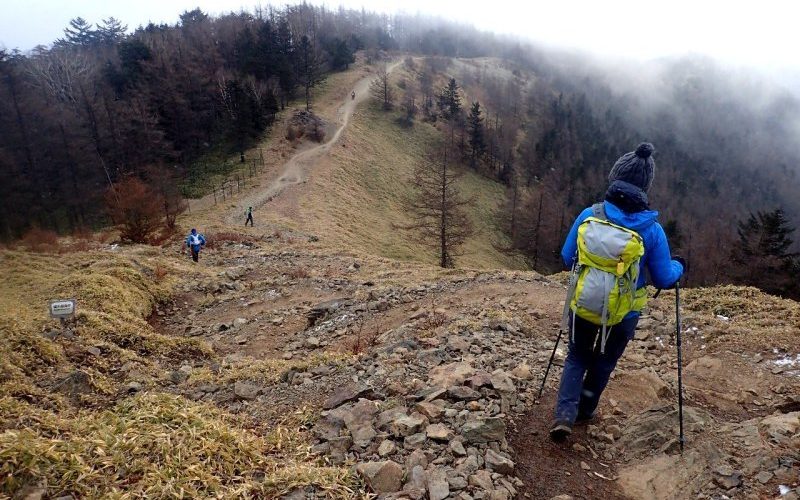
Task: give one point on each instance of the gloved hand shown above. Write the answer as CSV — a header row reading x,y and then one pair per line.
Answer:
x,y
683,263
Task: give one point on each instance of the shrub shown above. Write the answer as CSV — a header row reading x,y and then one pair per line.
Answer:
x,y
136,208
317,132
298,273
40,240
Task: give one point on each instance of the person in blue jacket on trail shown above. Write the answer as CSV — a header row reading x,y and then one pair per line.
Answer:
x,y
586,369
195,242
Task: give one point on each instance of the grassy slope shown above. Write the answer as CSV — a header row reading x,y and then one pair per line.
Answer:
x,y
166,445
354,201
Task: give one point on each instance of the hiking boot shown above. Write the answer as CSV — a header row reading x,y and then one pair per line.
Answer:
x,y
583,419
560,431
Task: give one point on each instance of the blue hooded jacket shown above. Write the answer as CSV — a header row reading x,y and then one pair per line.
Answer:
x,y
664,272
199,241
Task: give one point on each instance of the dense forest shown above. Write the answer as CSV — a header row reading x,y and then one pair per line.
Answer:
x,y
102,105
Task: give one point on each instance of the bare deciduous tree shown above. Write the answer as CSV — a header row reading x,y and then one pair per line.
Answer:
x,y
381,88
437,209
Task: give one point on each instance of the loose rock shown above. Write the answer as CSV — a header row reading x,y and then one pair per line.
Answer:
x,y
484,430
382,477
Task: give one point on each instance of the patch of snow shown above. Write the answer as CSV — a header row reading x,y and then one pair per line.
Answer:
x,y
783,490
787,360
723,318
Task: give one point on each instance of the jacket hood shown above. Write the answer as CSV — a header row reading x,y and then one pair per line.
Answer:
x,y
638,221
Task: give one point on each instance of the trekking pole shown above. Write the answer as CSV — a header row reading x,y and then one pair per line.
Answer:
x,y
680,362
564,324
550,363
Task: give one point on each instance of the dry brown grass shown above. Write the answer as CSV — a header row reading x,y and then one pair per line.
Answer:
x,y
157,445
355,199
152,445
217,239
756,320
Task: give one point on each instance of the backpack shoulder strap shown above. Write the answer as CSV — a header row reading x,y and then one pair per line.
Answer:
x,y
599,211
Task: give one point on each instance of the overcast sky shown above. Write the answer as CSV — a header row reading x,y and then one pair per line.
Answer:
x,y
761,33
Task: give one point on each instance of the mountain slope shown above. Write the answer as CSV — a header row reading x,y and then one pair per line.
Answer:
x,y
294,359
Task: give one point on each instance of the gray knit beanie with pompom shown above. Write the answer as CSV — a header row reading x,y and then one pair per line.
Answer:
x,y
636,167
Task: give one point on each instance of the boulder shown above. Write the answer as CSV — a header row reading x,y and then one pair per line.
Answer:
x,y
457,482
450,374
501,381
386,448
323,310
498,463
328,427
415,458
457,448
438,487
469,466
480,379
349,392
74,384
725,477
431,410
358,420
484,430
381,477
417,483
522,372
438,432
781,427
243,390
405,425
414,441
386,417
482,479
458,344
462,393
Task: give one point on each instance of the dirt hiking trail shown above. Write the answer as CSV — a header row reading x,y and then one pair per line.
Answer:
x,y
297,169
439,397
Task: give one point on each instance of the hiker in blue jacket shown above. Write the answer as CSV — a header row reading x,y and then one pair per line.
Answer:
x,y
588,368
194,242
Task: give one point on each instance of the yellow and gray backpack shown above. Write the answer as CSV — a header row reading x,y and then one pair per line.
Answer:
x,y
605,273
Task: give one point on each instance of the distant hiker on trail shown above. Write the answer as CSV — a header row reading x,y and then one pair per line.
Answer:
x,y
195,242
353,95
249,214
608,248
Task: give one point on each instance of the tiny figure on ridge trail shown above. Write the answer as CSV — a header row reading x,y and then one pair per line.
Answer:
x,y
353,96
608,248
249,219
195,242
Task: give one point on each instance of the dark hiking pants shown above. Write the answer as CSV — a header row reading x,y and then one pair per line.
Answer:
x,y
586,371
250,220
195,254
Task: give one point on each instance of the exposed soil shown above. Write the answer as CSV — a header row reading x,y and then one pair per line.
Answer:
x,y
549,469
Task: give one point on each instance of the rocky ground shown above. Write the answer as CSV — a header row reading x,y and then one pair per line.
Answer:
x,y
425,382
